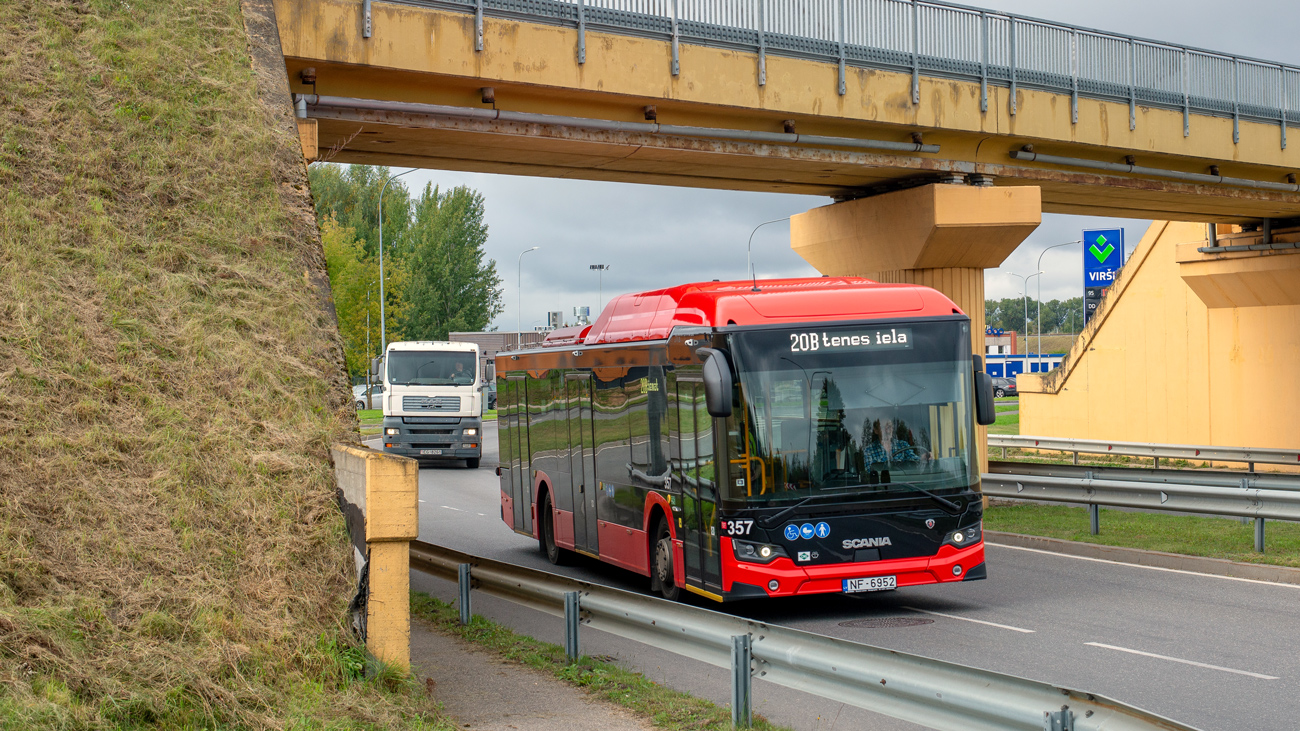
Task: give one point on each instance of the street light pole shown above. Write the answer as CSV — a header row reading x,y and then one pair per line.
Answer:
x,y
1024,291
749,249
600,285
519,292
1040,299
369,403
383,330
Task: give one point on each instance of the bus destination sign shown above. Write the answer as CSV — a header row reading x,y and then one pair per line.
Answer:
x,y
895,338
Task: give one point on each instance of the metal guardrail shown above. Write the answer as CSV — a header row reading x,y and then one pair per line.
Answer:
x,y
1210,478
928,692
1206,453
945,40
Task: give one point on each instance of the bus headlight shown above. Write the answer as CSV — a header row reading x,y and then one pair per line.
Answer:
x,y
390,431
469,432
965,537
756,552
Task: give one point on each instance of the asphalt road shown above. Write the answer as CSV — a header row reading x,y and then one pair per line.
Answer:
x,y
1212,652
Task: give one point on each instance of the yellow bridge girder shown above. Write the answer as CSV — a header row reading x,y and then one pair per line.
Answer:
x,y
426,55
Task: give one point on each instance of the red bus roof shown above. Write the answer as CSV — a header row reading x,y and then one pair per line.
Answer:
x,y
653,315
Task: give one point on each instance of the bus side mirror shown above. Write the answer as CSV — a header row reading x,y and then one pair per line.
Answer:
x,y
985,412
375,365
717,382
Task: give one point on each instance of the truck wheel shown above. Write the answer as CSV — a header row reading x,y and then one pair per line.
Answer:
x,y
472,462
663,563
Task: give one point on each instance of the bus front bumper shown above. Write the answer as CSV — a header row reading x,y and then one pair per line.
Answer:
x,y
949,565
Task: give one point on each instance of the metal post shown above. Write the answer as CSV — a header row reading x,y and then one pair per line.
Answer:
x,y
1094,519
1004,453
365,19
1074,77
1236,106
1282,72
984,61
1132,85
462,584
677,66
1013,66
1187,93
571,616
582,33
1157,462
916,53
742,711
1076,458
762,42
844,88
1259,535
478,25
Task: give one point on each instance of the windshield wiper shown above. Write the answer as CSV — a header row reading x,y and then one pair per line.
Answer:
x,y
772,520
952,507
775,518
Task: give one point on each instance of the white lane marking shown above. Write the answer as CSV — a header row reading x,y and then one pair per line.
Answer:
x,y
1152,568
1185,662
481,515
976,621
421,501
451,508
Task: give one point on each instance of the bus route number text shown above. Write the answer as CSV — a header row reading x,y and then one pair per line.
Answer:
x,y
737,527
878,340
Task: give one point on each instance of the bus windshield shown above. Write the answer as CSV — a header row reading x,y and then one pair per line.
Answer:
x,y
430,368
852,410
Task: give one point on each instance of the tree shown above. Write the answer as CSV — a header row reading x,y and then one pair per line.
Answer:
x,y
350,193
354,280
451,286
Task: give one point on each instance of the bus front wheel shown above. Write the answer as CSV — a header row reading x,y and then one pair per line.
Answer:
x,y
662,577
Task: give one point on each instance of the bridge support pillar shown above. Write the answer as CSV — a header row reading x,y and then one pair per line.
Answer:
x,y
941,236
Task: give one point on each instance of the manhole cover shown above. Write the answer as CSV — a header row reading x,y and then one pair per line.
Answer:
x,y
886,622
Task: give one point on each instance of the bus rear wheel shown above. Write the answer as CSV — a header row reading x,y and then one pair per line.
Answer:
x,y
662,577
556,555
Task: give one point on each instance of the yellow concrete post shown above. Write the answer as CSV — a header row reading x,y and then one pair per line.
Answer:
x,y
380,495
939,236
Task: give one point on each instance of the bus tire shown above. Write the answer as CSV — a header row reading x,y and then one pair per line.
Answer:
x,y
661,570
472,462
546,538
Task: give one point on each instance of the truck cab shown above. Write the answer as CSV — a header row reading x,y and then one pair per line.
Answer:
x,y
432,403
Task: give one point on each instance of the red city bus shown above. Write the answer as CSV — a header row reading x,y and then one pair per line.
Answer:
x,y
753,439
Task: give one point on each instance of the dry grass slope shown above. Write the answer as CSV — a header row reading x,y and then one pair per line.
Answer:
x,y
170,554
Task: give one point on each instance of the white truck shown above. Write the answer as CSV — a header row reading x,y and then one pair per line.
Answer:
x,y
433,408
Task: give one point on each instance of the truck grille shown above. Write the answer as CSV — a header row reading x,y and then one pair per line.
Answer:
x,y
426,403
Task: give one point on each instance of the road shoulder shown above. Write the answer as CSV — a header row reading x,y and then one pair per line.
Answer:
x,y
1154,559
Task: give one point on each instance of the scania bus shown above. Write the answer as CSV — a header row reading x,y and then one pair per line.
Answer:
x,y
433,408
753,439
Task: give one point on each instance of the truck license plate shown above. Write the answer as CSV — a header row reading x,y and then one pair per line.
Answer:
x,y
434,452
873,583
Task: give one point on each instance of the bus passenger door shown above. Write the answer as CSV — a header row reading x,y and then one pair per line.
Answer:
x,y
694,470
582,461
511,393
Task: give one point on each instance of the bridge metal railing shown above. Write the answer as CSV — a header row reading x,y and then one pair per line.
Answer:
x,y
1199,453
928,692
945,40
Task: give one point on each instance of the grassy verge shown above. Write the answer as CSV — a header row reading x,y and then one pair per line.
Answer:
x,y
1190,535
1006,424
667,708
171,554
1013,406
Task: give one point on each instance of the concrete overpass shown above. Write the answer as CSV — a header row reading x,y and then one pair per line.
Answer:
x,y
1205,133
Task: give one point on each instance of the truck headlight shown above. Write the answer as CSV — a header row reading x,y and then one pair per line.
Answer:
x,y
470,432
756,552
967,536
390,431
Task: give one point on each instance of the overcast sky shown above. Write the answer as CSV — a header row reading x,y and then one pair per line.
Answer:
x,y
654,236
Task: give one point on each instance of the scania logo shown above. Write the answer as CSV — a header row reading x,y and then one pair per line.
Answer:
x,y
866,542
929,522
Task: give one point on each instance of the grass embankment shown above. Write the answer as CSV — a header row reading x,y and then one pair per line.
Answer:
x,y
1193,536
666,708
1006,424
170,552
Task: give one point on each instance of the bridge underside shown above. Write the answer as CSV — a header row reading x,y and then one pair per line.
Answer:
x,y
426,56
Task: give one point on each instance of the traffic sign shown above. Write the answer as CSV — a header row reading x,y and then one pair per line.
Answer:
x,y
1103,255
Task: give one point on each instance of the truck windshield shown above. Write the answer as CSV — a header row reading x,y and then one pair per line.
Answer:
x,y
850,410
430,368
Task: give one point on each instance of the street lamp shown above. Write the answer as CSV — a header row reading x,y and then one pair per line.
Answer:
x,y
1025,292
519,289
600,284
1040,299
383,330
749,249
